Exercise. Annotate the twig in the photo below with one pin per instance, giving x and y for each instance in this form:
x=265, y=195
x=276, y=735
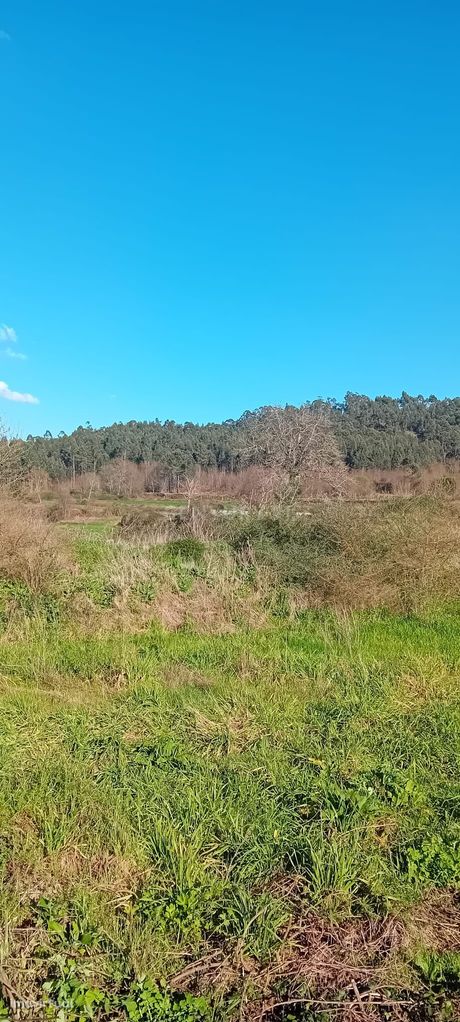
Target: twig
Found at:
x=200, y=966
x=319, y=1003
x=342, y=967
x=358, y=996
x=11, y=993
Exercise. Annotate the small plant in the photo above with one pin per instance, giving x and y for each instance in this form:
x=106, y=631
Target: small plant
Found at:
x=145, y=590
x=439, y=971
x=66, y=931
x=74, y=999
x=100, y=591
x=435, y=861
x=151, y=1002
x=184, y=916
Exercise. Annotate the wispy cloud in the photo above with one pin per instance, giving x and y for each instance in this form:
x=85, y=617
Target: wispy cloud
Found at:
x=14, y=395
x=15, y=354
x=8, y=334
x=5, y=35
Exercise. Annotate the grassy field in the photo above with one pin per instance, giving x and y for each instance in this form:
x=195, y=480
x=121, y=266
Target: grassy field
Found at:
x=224, y=822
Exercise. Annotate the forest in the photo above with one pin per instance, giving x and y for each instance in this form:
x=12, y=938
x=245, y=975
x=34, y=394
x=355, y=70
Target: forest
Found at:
x=380, y=433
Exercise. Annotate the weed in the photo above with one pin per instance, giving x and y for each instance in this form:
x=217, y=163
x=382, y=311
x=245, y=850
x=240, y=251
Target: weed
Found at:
x=439, y=971
x=150, y=1002
x=434, y=861
x=187, y=549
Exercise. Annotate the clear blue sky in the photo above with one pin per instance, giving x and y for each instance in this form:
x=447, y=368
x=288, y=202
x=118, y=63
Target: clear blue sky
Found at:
x=208, y=205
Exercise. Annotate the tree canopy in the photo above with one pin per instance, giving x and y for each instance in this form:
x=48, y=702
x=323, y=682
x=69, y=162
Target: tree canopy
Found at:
x=379, y=432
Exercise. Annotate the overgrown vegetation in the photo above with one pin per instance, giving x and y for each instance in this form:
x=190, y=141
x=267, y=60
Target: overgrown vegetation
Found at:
x=229, y=764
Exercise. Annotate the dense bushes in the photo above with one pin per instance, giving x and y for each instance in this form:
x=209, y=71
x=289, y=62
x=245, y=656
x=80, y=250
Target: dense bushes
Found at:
x=397, y=553
x=288, y=545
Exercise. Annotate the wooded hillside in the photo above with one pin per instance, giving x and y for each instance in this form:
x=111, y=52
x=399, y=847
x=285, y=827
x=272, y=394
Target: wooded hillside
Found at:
x=381, y=433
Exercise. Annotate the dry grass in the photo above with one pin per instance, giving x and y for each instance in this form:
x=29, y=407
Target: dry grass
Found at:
x=397, y=554
x=31, y=551
x=341, y=969
x=400, y=557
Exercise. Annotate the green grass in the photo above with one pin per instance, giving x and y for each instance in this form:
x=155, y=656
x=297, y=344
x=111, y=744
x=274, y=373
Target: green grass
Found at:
x=101, y=528
x=170, y=796
x=257, y=805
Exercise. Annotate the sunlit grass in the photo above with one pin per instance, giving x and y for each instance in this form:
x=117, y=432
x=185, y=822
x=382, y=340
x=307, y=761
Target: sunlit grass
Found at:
x=156, y=787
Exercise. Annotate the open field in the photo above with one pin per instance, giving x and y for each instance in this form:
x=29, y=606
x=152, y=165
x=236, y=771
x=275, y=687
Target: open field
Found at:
x=219, y=797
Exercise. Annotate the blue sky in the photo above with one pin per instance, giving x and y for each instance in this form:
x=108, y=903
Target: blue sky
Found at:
x=208, y=205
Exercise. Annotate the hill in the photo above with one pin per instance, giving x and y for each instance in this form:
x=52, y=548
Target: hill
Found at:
x=381, y=433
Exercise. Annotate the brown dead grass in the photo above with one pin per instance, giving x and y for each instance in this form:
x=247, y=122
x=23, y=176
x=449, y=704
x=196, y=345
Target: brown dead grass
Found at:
x=62, y=872
x=435, y=922
x=181, y=676
x=398, y=555
x=344, y=969
x=30, y=549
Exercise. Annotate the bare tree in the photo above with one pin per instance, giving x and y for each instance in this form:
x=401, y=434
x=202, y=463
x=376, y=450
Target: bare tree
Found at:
x=122, y=478
x=37, y=483
x=89, y=483
x=13, y=471
x=295, y=443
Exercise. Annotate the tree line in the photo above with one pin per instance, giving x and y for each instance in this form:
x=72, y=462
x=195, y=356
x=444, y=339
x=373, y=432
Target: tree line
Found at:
x=380, y=433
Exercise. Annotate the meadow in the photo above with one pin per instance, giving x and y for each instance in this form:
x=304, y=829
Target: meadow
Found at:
x=229, y=770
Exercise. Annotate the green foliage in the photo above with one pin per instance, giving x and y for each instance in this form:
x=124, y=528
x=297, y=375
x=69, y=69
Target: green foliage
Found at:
x=185, y=916
x=149, y=1002
x=289, y=545
x=145, y=590
x=100, y=590
x=434, y=861
x=439, y=971
x=18, y=595
x=73, y=999
x=380, y=433
x=186, y=549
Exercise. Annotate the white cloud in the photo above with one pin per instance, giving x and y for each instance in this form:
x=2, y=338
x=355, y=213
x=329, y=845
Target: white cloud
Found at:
x=15, y=354
x=8, y=334
x=14, y=395
x=5, y=35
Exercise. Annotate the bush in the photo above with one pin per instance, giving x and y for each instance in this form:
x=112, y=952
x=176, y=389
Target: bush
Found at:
x=141, y=523
x=289, y=545
x=188, y=549
x=30, y=548
x=397, y=554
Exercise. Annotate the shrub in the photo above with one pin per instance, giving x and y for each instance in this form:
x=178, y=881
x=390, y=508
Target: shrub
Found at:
x=141, y=523
x=398, y=553
x=30, y=548
x=289, y=545
x=188, y=548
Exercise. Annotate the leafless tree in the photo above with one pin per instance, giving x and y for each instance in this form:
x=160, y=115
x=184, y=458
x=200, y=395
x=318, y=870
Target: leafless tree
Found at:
x=88, y=483
x=122, y=478
x=37, y=483
x=295, y=443
x=13, y=472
